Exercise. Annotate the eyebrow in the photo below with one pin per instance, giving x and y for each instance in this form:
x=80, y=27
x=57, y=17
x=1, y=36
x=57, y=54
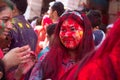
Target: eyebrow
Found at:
x=5, y=18
x=2, y=8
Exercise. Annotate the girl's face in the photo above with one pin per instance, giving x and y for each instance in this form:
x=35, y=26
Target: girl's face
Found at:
x=71, y=33
x=5, y=22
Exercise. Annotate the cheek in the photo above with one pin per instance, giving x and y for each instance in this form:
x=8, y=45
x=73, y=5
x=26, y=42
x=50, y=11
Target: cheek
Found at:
x=50, y=14
x=2, y=27
x=9, y=25
x=70, y=40
x=61, y=36
x=78, y=35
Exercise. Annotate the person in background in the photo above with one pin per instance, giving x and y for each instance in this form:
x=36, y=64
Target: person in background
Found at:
x=41, y=31
x=50, y=36
x=96, y=20
x=38, y=27
x=5, y=17
x=21, y=34
x=56, y=9
x=108, y=28
x=18, y=55
x=33, y=21
x=73, y=40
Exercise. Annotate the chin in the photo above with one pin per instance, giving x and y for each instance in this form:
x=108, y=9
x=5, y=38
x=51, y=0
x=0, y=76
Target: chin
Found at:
x=2, y=37
x=71, y=48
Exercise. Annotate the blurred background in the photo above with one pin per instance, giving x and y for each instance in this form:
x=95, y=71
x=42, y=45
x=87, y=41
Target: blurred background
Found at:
x=110, y=8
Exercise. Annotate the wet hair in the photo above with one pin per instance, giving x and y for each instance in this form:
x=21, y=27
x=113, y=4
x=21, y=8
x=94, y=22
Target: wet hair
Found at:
x=59, y=7
x=21, y=5
x=95, y=17
x=2, y=69
x=51, y=29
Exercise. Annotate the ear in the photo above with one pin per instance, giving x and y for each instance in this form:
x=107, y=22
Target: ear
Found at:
x=15, y=11
x=1, y=75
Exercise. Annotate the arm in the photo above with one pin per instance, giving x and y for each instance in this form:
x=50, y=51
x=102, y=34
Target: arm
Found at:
x=16, y=56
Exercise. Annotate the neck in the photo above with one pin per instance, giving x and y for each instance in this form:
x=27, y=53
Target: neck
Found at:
x=73, y=55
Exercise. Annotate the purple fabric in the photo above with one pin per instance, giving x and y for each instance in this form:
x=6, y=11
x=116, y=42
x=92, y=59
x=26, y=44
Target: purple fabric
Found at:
x=22, y=35
x=36, y=73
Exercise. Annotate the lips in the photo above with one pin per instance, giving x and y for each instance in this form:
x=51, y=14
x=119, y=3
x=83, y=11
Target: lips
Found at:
x=68, y=39
x=5, y=33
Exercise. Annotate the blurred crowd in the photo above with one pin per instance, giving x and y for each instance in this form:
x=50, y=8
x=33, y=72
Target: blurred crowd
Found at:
x=62, y=44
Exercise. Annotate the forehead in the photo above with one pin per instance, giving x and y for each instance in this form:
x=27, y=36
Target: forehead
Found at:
x=69, y=21
x=1, y=1
x=5, y=12
x=3, y=5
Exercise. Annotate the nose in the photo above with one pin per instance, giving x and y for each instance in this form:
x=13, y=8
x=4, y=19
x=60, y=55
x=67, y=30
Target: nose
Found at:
x=9, y=25
x=4, y=28
x=68, y=33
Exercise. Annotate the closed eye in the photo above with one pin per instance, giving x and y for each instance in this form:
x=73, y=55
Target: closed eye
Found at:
x=5, y=19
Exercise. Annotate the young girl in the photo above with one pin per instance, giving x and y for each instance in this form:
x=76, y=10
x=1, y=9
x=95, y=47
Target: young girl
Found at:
x=73, y=41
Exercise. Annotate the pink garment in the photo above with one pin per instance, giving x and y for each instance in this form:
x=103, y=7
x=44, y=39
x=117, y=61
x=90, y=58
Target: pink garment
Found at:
x=1, y=54
x=46, y=21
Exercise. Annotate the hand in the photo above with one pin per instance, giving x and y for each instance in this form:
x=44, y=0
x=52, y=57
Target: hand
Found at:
x=23, y=68
x=16, y=56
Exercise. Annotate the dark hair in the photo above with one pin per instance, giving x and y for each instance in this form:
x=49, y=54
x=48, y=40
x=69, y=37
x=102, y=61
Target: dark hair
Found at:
x=59, y=7
x=95, y=17
x=6, y=3
x=2, y=69
x=39, y=20
x=51, y=29
x=21, y=5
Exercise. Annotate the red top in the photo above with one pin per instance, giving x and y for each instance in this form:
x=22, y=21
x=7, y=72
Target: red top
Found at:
x=1, y=54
